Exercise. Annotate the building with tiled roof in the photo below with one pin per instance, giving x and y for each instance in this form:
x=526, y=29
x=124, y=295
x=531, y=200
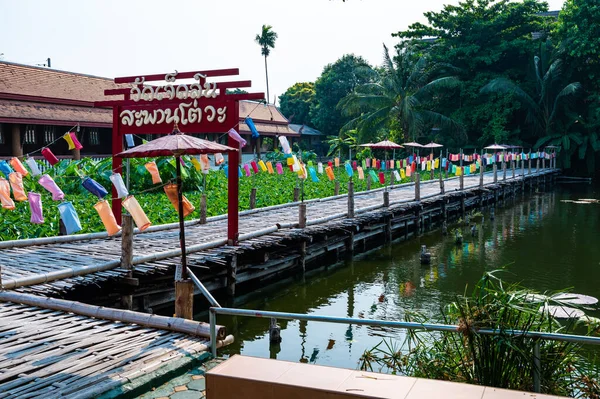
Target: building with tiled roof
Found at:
x=38, y=105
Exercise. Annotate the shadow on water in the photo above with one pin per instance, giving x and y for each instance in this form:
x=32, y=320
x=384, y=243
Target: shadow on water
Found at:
x=542, y=241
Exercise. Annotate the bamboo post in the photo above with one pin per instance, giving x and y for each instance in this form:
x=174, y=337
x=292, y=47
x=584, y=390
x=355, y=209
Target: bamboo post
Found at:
x=253, y=198
x=368, y=181
x=418, y=220
x=127, y=256
x=417, y=187
x=529, y=162
x=337, y=188
x=296, y=194
x=302, y=215
x=386, y=198
x=461, y=181
x=503, y=165
x=523, y=175
x=544, y=161
x=350, y=199
x=442, y=189
x=481, y=173
x=184, y=299
x=512, y=165
x=495, y=168
x=231, y=276
x=203, y=209
x=446, y=169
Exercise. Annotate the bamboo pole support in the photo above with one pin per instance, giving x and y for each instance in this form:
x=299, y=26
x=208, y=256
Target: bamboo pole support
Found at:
x=368, y=182
x=127, y=257
x=495, y=169
x=461, y=181
x=253, y=198
x=203, y=209
x=503, y=167
x=350, y=199
x=231, y=275
x=302, y=215
x=337, y=188
x=481, y=173
x=417, y=187
x=296, y=194
x=442, y=188
x=184, y=299
x=386, y=198
x=529, y=163
x=512, y=165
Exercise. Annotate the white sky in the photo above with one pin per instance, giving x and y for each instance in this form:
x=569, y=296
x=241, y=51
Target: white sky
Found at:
x=126, y=37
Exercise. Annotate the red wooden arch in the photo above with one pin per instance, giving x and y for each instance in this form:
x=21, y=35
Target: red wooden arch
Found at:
x=196, y=104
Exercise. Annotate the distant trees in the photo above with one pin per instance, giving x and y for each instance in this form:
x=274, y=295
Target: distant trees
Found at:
x=297, y=101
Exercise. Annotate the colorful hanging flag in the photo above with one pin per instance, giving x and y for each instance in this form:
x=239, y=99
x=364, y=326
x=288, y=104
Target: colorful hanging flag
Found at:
x=279, y=168
x=397, y=176
x=337, y=162
x=35, y=170
x=349, y=170
x=270, y=167
x=117, y=181
x=76, y=142
x=236, y=136
x=373, y=175
x=16, y=183
x=137, y=213
x=361, y=173
x=196, y=163
x=171, y=191
x=107, y=217
x=5, y=200
x=69, y=140
x=262, y=165
x=153, y=170
x=204, y=163
x=69, y=217
x=254, y=166
x=129, y=141
x=94, y=187
x=320, y=167
x=381, y=178
x=252, y=128
x=285, y=145
x=219, y=159
x=313, y=174
x=247, y=169
x=18, y=166
x=329, y=172
x=35, y=208
x=5, y=168
x=48, y=183
x=402, y=174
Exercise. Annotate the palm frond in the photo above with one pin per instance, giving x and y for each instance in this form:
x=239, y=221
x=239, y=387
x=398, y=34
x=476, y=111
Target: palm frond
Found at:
x=437, y=85
x=566, y=94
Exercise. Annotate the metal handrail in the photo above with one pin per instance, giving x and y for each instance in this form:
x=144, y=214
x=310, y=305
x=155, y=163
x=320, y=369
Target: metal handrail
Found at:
x=536, y=335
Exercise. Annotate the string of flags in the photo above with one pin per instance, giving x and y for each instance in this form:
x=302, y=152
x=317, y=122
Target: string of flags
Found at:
x=14, y=171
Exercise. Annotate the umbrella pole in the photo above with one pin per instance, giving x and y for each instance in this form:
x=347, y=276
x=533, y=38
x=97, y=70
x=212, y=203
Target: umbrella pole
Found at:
x=181, y=224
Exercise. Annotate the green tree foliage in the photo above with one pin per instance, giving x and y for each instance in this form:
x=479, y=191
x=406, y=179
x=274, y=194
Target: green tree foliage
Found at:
x=296, y=102
x=266, y=41
x=486, y=39
x=400, y=97
x=336, y=82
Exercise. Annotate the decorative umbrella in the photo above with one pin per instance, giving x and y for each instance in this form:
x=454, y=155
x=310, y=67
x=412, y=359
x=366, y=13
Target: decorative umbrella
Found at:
x=412, y=144
x=494, y=147
x=384, y=145
x=176, y=144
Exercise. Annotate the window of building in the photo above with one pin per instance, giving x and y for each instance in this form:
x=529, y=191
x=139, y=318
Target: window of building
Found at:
x=2, y=130
x=93, y=136
x=49, y=134
x=29, y=134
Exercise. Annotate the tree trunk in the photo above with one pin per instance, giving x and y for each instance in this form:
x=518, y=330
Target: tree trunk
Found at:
x=267, y=75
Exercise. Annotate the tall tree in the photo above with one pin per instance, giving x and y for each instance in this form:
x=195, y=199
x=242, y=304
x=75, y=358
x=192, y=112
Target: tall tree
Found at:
x=336, y=82
x=296, y=102
x=401, y=97
x=548, y=110
x=266, y=41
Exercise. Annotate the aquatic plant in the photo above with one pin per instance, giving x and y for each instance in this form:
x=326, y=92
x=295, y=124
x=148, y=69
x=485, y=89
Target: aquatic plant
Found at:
x=503, y=360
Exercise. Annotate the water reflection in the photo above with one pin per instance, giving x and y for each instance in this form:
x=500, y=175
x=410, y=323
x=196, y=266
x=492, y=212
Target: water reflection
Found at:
x=543, y=242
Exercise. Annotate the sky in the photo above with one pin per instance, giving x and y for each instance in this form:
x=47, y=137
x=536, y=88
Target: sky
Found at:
x=113, y=38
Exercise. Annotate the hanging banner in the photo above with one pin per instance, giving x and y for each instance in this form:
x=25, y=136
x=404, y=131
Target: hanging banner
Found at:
x=94, y=187
x=35, y=170
x=69, y=217
x=137, y=213
x=329, y=172
x=153, y=170
x=35, y=208
x=5, y=200
x=361, y=173
x=5, y=168
x=16, y=183
x=270, y=167
x=18, y=166
x=107, y=217
x=236, y=136
x=49, y=156
x=171, y=191
x=119, y=184
x=48, y=183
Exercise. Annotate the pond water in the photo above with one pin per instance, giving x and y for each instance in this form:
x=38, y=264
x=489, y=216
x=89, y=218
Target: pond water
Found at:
x=542, y=241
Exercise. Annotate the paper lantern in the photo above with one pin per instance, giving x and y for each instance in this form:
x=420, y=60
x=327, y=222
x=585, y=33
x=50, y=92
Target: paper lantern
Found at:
x=398, y=164
x=270, y=167
x=296, y=164
x=349, y=170
x=411, y=159
x=408, y=172
x=94, y=187
x=49, y=156
x=117, y=181
x=252, y=127
x=368, y=162
x=428, y=165
x=171, y=191
x=235, y=135
x=204, y=163
x=153, y=170
x=254, y=166
x=302, y=171
x=35, y=170
x=402, y=174
x=313, y=174
x=48, y=183
x=437, y=163
x=16, y=183
x=381, y=178
x=247, y=169
x=18, y=166
x=329, y=172
x=423, y=165
x=285, y=145
x=361, y=173
x=107, y=217
x=5, y=168
x=69, y=217
x=364, y=164
x=279, y=168
x=35, y=208
x=320, y=167
x=337, y=162
x=330, y=164
x=137, y=213
x=262, y=165
x=413, y=167
x=397, y=176
x=454, y=169
x=382, y=165
x=378, y=164
x=354, y=165
x=5, y=200
x=219, y=159
x=290, y=161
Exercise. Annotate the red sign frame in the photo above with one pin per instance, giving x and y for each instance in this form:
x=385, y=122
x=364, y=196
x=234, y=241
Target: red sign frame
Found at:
x=198, y=108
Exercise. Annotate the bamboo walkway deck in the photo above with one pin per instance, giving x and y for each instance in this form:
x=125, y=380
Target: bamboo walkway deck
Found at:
x=57, y=354
x=35, y=262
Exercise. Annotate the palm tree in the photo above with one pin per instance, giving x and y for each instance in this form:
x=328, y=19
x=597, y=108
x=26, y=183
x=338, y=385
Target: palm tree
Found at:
x=548, y=110
x=266, y=41
x=400, y=97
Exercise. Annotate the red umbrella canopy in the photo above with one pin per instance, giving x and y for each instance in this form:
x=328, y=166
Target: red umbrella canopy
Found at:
x=385, y=145
x=175, y=144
